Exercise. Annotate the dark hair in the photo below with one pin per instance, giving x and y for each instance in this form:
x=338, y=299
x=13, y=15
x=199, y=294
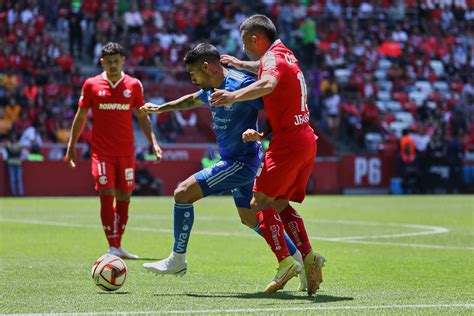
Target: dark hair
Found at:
x=405, y=132
x=201, y=53
x=259, y=23
x=112, y=49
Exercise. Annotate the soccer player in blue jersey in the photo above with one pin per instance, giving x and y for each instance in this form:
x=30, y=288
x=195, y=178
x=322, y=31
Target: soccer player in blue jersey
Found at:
x=240, y=160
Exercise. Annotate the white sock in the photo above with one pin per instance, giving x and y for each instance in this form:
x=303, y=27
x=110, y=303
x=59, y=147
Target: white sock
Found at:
x=180, y=257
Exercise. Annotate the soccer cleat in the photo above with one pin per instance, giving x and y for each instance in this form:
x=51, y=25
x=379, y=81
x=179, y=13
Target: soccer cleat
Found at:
x=175, y=264
x=302, y=275
x=121, y=252
x=313, y=266
x=287, y=269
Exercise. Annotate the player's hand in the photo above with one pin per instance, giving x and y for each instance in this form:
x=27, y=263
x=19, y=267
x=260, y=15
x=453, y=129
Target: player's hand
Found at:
x=231, y=61
x=70, y=157
x=251, y=135
x=222, y=98
x=158, y=153
x=150, y=108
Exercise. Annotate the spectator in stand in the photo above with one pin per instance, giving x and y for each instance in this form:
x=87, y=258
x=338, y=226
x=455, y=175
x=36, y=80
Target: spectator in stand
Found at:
x=408, y=166
x=15, y=155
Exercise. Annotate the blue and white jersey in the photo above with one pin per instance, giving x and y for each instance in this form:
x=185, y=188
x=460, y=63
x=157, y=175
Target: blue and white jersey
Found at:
x=229, y=122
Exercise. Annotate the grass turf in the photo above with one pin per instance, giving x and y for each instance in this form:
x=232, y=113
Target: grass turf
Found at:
x=385, y=255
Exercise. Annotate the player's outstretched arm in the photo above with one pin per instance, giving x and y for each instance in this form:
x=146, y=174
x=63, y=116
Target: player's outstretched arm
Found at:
x=249, y=66
x=145, y=124
x=186, y=102
x=76, y=130
x=258, y=89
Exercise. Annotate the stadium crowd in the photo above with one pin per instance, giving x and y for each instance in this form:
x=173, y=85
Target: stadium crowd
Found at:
x=373, y=68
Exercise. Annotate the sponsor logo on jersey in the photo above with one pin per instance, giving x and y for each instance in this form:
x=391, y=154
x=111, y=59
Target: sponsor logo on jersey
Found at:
x=114, y=106
x=129, y=174
x=101, y=93
x=127, y=93
x=102, y=180
x=290, y=58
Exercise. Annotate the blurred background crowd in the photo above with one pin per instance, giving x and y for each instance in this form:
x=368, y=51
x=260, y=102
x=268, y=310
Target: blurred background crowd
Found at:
x=375, y=70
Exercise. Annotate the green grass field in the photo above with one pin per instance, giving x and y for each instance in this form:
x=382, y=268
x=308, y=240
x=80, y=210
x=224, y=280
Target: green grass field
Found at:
x=385, y=255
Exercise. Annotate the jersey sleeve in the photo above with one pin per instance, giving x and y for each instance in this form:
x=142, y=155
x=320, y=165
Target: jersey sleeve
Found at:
x=85, y=100
x=270, y=66
x=203, y=96
x=139, y=95
x=256, y=103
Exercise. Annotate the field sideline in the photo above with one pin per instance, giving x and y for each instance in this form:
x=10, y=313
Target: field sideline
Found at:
x=386, y=255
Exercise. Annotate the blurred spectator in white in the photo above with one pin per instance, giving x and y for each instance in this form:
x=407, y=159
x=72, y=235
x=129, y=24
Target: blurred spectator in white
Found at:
x=133, y=20
x=331, y=105
x=399, y=34
x=31, y=136
x=333, y=8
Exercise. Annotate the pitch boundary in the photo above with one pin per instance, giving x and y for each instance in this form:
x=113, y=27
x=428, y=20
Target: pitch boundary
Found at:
x=352, y=240
x=271, y=309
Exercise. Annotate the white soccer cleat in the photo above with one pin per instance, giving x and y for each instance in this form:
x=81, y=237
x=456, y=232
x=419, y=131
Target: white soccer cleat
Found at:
x=302, y=275
x=122, y=253
x=175, y=264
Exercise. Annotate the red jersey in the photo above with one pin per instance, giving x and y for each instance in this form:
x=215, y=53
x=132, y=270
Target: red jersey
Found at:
x=112, y=106
x=286, y=106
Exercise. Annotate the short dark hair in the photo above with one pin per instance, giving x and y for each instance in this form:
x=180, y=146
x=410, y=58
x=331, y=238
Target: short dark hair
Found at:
x=259, y=23
x=201, y=53
x=112, y=49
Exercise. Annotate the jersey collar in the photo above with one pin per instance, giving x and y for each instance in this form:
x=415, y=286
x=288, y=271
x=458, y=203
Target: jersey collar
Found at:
x=276, y=42
x=104, y=75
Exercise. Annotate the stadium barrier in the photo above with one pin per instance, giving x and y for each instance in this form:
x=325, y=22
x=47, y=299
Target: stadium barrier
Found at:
x=331, y=175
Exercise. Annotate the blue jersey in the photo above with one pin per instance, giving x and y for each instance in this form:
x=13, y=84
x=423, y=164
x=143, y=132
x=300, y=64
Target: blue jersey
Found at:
x=229, y=122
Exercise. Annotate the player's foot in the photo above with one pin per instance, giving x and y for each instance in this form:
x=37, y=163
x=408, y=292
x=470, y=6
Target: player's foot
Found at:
x=313, y=266
x=287, y=269
x=175, y=264
x=121, y=252
x=302, y=275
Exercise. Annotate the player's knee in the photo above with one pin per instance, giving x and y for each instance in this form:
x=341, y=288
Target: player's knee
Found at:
x=181, y=194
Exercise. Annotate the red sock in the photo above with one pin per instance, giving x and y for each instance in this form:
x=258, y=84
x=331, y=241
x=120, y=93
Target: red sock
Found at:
x=294, y=227
x=272, y=230
x=108, y=217
x=121, y=208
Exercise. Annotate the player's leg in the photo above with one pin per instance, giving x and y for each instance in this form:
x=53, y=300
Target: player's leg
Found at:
x=125, y=183
x=272, y=230
x=242, y=197
x=103, y=172
x=248, y=218
x=294, y=225
x=187, y=192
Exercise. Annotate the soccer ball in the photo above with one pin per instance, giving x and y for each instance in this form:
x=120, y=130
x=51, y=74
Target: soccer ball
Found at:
x=109, y=272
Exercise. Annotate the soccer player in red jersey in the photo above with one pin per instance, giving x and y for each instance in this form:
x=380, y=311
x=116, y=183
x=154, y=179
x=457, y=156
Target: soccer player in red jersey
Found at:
x=290, y=157
x=112, y=96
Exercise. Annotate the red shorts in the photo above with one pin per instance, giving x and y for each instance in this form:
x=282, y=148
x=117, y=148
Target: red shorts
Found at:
x=112, y=172
x=286, y=169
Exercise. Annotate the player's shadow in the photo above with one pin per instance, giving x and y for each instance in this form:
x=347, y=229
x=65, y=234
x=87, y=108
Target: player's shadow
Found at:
x=286, y=295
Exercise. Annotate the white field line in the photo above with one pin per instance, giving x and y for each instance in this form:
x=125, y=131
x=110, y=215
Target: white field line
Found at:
x=269, y=310
x=249, y=234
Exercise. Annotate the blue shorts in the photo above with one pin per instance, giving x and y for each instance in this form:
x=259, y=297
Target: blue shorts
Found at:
x=230, y=175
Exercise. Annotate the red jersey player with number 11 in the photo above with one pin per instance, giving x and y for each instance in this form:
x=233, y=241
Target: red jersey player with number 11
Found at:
x=112, y=96
x=290, y=157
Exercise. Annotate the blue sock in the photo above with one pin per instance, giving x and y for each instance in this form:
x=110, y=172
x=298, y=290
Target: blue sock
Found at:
x=183, y=222
x=289, y=243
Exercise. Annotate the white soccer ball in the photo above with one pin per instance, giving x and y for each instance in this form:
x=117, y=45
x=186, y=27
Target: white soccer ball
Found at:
x=109, y=272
